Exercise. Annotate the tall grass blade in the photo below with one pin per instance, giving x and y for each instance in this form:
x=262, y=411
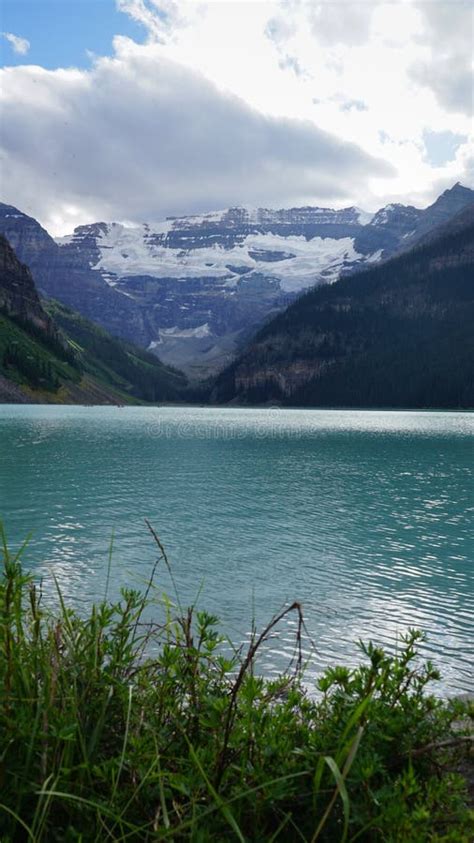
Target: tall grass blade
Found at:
x=220, y=803
x=125, y=741
x=19, y=820
x=109, y=564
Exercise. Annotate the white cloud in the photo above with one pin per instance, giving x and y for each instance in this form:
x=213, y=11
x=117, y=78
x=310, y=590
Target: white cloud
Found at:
x=447, y=67
x=345, y=22
x=271, y=102
x=301, y=58
x=19, y=45
x=159, y=17
x=408, y=64
x=139, y=137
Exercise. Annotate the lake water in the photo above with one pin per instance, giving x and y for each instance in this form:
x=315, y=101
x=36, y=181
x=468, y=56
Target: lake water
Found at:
x=364, y=517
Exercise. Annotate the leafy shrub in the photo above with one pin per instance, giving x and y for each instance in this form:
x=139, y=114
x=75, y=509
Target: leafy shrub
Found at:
x=118, y=729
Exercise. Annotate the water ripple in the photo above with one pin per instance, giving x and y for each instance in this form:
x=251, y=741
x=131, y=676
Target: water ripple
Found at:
x=365, y=517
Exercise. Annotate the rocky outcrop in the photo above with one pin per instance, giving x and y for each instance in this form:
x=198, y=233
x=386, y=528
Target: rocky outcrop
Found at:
x=18, y=295
x=10, y=393
x=287, y=378
x=31, y=242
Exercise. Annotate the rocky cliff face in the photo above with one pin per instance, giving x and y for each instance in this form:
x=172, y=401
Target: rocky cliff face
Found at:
x=18, y=296
x=68, y=277
x=194, y=289
x=31, y=243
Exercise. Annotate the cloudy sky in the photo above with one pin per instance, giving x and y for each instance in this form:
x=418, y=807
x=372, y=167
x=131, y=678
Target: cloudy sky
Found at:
x=135, y=109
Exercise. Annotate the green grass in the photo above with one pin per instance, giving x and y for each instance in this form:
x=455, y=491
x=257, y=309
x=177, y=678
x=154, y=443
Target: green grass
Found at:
x=117, y=729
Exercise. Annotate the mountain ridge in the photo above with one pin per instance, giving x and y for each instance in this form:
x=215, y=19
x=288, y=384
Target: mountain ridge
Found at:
x=193, y=289
x=399, y=334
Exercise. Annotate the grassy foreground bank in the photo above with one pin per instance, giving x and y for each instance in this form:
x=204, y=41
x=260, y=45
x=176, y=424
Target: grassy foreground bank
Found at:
x=115, y=729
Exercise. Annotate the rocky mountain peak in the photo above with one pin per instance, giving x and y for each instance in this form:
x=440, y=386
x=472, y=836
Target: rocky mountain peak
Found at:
x=445, y=207
x=454, y=197
x=27, y=237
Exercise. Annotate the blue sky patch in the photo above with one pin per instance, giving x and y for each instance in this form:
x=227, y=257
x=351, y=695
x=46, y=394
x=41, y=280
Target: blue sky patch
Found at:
x=441, y=146
x=61, y=32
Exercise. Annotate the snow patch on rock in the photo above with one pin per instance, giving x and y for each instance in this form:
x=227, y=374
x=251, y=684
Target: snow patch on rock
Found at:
x=126, y=252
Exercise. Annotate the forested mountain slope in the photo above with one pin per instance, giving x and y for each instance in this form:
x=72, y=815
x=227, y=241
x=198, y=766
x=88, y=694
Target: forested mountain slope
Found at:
x=51, y=354
x=398, y=335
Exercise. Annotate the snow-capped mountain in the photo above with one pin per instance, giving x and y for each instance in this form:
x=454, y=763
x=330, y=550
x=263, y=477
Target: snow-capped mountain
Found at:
x=203, y=282
x=193, y=288
x=182, y=251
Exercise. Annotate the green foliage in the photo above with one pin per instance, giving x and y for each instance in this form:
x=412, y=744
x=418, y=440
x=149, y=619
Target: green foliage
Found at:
x=31, y=358
x=115, y=362
x=117, y=371
x=37, y=370
x=117, y=729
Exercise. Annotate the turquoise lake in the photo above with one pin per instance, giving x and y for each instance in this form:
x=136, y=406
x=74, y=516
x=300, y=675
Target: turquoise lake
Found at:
x=363, y=516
